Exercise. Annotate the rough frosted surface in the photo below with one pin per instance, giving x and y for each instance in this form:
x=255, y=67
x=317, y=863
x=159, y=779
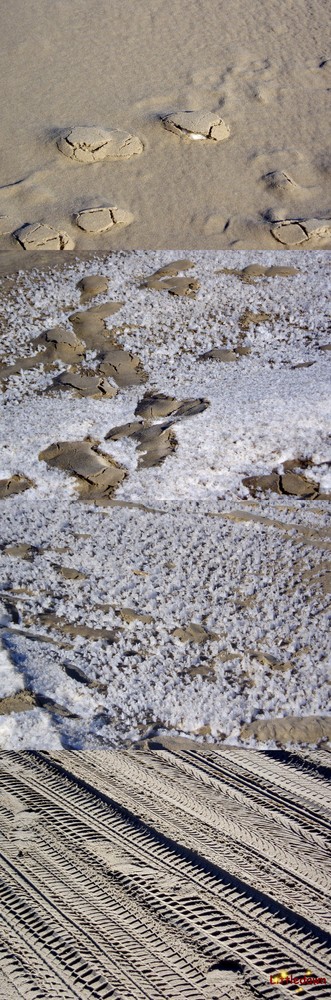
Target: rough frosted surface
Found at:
x=190, y=605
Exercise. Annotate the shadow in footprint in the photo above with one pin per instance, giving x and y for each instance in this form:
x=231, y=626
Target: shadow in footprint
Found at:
x=227, y=980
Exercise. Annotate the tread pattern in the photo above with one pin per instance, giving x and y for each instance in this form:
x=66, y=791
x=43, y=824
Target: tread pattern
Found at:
x=167, y=871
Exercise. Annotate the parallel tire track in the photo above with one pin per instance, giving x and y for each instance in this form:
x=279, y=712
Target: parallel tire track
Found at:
x=131, y=875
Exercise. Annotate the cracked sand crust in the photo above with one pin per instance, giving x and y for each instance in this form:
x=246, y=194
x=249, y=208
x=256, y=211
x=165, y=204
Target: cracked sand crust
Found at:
x=98, y=475
x=99, y=220
x=39, y=236
x=15, y=484
x=196, y=125
x=91, y=144
x=292, y=232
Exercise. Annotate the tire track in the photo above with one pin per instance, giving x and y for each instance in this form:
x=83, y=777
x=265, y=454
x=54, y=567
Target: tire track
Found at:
x=125, y=875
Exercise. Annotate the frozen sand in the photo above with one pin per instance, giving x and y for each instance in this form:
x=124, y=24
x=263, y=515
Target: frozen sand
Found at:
x=163, y=873
x=190, y=605
x=263, y=67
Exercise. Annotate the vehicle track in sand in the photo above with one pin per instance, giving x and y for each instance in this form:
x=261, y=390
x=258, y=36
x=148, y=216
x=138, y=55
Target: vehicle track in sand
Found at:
x=168, y=870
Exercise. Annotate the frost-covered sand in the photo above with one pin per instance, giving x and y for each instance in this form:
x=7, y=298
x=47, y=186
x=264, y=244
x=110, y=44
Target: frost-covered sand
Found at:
x=264, y=68
x=188, y=599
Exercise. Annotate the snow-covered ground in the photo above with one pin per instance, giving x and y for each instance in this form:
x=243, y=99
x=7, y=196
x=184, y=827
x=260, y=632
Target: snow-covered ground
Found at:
x=249, y=571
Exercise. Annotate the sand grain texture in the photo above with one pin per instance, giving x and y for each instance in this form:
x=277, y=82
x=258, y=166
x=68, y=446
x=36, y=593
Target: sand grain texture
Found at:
x=164, y=872
x=100, y=89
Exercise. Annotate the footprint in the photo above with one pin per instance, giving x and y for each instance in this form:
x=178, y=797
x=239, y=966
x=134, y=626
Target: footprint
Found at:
x=268, y=660
x=155, y=404
x=124, y=430
x=85, y=385
x=219, y=354
x=39, y=236
x=175, y=267
x=92, y=144
x=194, y=633
x=169, y=279
x=23, y=701
x=60, y=624
x=252, y=271
x=290, y=729
x=97, y=474
x=129, y=615
x=100, y=220
x=292, y=232
x=14, y=484
x=23, y=550
x=125, y=368
x=91, y=286
x=227, y=980
x=280, y=183
x=60, y=344
x=291, y=483
x=155, y=444
x=196, y=125
x=90, y=325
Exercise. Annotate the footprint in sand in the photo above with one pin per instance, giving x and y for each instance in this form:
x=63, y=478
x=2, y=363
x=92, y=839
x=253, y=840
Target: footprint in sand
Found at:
x=280, y=183
x=39, y=236
x=292, y=232
x=291, y=482
x=125, y=368
x=155, y=404
x=227, y=980
x=85, y=385
x=290, y=729
x=100, y=220
x=205, y=125
x=60, y=624
x=14, y=484
x=91, y=327
x=156, y=442
x=58, y=344
x=90, y=144
x=170, y=279
x=222, y=354
x=285, y=171
x=252, y=271
x=193, y=632
x=91, y=286
x=97, y=474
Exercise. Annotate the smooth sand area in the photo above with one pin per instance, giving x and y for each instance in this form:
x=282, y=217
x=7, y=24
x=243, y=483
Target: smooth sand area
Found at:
x=165, y=872
x=164, y=492
x=260, y=67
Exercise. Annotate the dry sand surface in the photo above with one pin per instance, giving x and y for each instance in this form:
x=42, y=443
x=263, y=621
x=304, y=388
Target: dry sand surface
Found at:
x=164, y=491
x=165, y=872
x=187, y=125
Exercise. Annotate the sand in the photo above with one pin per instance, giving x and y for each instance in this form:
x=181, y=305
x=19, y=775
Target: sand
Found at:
x=109, y=79
x=162, y=872
x=165, y=491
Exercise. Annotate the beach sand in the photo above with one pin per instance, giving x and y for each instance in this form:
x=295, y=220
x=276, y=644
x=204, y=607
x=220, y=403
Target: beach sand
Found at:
x=263, y=68
x=165, y=725
x=165, y=487
x=164, y=873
